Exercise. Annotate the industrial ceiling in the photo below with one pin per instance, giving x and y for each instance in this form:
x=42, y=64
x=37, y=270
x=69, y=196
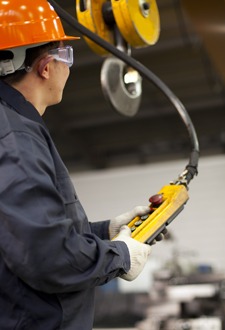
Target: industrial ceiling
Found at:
x=90, y=134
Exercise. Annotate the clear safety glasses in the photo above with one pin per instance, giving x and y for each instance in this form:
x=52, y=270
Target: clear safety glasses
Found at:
x=63, y=54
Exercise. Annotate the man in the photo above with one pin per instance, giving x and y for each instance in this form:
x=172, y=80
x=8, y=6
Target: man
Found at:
x=51, y=257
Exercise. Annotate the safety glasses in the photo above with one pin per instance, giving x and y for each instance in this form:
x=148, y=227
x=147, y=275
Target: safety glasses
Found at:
x=63, y=54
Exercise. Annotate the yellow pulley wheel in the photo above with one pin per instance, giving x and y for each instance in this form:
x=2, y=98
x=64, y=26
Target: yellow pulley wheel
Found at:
x=89, y=14
x=137, y=20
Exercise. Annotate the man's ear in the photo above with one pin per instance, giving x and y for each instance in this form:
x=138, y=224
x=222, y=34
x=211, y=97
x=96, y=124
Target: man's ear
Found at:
x=43, y=67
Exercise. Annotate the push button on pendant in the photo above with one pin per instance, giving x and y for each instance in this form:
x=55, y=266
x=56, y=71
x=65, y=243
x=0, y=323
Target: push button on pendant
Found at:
x=156, y=199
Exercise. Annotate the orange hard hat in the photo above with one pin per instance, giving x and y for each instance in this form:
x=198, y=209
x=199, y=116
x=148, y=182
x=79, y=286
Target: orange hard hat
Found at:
x=29, y=22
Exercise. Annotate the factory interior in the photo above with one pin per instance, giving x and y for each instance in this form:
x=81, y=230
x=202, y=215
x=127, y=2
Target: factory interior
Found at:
x=117, y=161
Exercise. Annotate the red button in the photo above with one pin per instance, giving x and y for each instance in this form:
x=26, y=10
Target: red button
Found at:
x=156, y=199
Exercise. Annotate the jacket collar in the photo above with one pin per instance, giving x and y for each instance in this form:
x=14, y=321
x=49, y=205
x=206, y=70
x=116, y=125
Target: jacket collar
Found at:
x=18, y=102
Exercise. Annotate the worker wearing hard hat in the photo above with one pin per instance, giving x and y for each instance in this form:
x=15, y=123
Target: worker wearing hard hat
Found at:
x=51, y=256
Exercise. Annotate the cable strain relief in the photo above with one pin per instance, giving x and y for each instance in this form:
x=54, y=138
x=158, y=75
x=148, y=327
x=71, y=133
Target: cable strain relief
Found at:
x=192, y=167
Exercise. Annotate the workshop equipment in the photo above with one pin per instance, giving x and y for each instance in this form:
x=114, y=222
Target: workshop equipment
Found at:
x=104, y=25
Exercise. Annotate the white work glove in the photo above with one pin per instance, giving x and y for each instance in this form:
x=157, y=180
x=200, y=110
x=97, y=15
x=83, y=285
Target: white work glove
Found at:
x=125, y=218
x=139, y=253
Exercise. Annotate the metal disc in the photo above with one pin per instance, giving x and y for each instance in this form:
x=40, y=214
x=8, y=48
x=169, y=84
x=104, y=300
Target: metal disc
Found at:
x=122, y=86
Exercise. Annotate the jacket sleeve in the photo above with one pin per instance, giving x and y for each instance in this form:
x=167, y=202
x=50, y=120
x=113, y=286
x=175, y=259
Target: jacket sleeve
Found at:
x=100, y=228
x=38, y=241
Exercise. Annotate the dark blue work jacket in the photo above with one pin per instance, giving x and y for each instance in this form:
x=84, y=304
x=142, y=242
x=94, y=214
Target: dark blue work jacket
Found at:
x=51, y=257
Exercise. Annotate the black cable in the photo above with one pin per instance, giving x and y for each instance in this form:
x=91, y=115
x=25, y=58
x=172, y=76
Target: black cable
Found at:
x=192, y=167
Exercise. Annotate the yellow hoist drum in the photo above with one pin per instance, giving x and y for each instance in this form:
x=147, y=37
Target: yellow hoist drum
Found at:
x=89, y=14
x=138, y=21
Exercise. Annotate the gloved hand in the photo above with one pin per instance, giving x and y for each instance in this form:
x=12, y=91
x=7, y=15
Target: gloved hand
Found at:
x=139, y=253
x=125, y=218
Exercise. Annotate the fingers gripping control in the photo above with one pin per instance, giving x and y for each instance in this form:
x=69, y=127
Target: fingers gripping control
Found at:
x=125, y=218
x=139, y=253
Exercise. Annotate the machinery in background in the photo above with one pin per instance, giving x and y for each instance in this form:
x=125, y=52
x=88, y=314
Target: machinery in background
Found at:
x=186, y=298
x=183, y=295
x=203, y=323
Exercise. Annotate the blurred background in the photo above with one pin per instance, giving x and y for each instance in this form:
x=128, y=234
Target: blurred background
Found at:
x=117, y=162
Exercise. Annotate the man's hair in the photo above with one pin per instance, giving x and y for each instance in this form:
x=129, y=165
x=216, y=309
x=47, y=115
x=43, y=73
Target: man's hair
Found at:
x=31, y=55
